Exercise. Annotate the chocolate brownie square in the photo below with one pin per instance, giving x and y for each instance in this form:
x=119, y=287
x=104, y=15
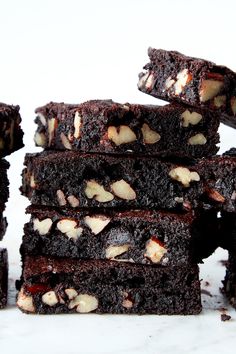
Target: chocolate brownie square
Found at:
x=3, y=277
x=51, y=286
x=11, y=134
x=95, y=180
x=175, y=77
x=145, y=237
x=105, y=126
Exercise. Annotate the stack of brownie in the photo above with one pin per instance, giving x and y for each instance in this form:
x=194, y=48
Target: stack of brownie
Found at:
x=10, y=140
x=124, y=198
x=199, y=83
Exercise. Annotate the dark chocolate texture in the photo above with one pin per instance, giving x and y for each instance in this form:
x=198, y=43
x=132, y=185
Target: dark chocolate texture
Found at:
x=145, y=237
x=4, y=191
x=52, y=286
x=175, y=77
x=105, y=126
x=3, y=277
x=93, y=180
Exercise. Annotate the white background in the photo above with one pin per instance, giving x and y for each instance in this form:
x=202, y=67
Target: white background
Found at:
x=73, y=51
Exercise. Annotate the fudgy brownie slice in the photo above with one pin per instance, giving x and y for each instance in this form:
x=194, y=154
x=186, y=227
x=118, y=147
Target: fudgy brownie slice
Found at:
x=51, y=285
x=105, y=126
x=96, y=180
x=4, y=191
x=3, y=277
x=3, y=226
x=11, y=134
x=145, y=237
x=173, y=76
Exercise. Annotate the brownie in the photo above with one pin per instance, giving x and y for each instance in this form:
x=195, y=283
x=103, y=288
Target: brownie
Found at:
x=175, y=77
x=105, y=126
x=51, y=286
x=11, y=134
x=3, y=277
x=145, y=237
x=4, y=191
x=3, y=226
x=95, y=180
x=229, y=282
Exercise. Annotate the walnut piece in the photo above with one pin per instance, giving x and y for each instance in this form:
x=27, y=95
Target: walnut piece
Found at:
x=96, y=223
x=146, y=81
x=61, y=198
x=233, y=105
x=114, y=251
x=25, y=302
x=42, y=226
x=127, y=302
x=184, y=175
x=65, y=142
x=32, y=182
x=188, y=117
x=155, y=250
x=215, y=195
x=84, y=303
x=219, y=101
x=183, y=78
x=71, y=293
x=209, y=89
x=52, y=124
x=149, y=135
x=73, y=201
x=96, y=191
x=40, y=139
x=198, y=139
x=123, y=190
x=169, y=83
x=42, y=119
x=77, y=125
x=69, y=227
x=121, y=135
x=50, y=298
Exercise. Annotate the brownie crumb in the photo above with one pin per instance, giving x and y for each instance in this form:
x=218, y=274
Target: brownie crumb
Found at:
x=225, y=317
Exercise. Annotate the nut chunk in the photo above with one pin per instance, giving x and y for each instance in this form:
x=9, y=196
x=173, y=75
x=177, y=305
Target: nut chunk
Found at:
x=96, y=191
x=183, y=175
x=192, y=81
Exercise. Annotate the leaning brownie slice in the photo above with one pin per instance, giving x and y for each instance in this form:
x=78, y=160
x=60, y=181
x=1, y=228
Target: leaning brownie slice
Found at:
x=105, y=126
x=51, y=285
x=173, y=76
x=145, y=237
x=3, y=277
x=95, y=180
x=4, y=191
x=11, y=134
